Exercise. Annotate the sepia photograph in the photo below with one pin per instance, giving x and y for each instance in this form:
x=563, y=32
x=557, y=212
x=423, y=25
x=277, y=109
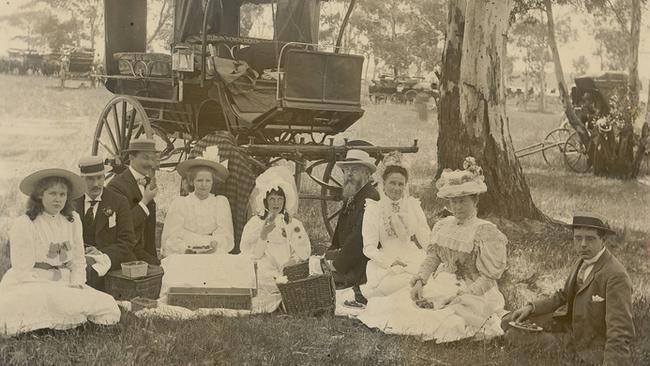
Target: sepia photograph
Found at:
x=325, y=182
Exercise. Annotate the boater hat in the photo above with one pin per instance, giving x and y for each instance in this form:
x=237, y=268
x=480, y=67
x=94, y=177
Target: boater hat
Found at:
x=144, y=145
x=210, y=159
x=93, y=165
x=77, y=184
x=356, y=156
x=591, y=220
x=458, y=183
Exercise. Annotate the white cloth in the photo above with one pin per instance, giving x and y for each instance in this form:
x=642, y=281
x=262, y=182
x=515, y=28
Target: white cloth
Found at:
x=398, y=314
x=393, y=224
x=192, y=221
x=208, y=271
x=287, y=243
x=33, y=298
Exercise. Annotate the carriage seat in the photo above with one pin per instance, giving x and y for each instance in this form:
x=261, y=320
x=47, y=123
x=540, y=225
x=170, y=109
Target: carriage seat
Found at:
x=148, y=64
x=261, y=56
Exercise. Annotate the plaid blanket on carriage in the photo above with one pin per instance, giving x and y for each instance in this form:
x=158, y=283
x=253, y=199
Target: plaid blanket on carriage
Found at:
x=240, y=182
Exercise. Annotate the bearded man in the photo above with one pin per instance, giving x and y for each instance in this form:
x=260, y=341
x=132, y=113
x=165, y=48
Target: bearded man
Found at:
x=346, y=251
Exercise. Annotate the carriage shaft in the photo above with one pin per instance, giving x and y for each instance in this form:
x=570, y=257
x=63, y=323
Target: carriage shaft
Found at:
x=313, y=152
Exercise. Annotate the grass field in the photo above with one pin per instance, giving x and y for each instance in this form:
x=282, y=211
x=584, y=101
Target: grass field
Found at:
x=43, y=127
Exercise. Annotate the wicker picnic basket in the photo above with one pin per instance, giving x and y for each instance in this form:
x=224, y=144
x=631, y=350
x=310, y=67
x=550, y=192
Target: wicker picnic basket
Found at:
x=313, y=295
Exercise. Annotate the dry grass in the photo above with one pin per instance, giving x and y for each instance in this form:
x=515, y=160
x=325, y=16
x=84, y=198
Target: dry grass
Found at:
x=43, y=126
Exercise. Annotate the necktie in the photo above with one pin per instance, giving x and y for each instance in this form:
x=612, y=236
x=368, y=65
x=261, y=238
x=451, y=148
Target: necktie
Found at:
x=88, y=216
x=581, y=273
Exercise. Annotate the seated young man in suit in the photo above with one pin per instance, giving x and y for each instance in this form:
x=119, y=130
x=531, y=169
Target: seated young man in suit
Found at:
x=592, y=314
x=135, y=183
x=107, y=225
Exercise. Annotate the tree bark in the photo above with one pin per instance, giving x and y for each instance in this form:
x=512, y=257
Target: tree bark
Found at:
x=482, y=129
x=449, y=83
x=570, y=113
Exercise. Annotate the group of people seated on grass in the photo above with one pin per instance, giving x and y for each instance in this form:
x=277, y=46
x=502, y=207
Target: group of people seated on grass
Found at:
x=394, y=272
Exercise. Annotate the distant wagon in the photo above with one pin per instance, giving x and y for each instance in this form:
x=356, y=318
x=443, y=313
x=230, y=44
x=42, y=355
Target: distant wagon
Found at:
x=260, y=100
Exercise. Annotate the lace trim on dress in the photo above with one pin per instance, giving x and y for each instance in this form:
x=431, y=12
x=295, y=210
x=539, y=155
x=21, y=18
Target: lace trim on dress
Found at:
x=448, y=233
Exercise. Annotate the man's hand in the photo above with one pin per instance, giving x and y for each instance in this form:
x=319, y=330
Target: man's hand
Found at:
x=522, y=313
x=149, y=194
x=416, y=291
x=90, y=261
x=90, y=250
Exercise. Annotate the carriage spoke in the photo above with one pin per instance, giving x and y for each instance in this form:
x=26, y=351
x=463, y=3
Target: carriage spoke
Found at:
x=335, y=214
x=110, y=133
x=130, y=128
x=124, y=124
x=336, y=182
x=117, y=127
x=107, y=148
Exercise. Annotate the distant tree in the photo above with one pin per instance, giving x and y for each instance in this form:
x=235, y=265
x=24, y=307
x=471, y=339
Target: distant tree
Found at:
x=249, y=13
x=426, y=30
x=529, y=33
x=42, y=28
x=581, y=65
x=87, y=12
x=164, y=22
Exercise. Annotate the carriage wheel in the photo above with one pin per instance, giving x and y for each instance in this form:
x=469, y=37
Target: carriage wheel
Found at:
x=557, y=138
x=122, y=120
x=575, y=154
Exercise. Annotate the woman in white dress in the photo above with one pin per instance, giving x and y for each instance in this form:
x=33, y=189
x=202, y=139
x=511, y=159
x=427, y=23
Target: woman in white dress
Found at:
x=200, y=222
x=274, y=237
x=389, y=227
x=45, y=286
x=455, y=293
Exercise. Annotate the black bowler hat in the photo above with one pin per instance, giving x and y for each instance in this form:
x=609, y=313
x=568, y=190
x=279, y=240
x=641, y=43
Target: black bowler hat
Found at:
x=591, y=220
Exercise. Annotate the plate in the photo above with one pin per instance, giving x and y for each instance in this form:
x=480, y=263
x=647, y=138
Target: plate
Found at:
x=527, y=326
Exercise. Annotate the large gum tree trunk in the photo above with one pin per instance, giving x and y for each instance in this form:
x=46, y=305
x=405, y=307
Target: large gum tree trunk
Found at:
x=482, y=129
x=449, y=111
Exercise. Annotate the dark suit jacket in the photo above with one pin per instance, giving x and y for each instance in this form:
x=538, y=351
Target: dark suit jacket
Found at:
x=347, y=243
x=599, y=312
x=118, y=241
x=144, y=225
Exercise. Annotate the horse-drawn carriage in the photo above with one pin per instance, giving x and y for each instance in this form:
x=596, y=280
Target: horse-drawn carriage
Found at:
x=592, y=98
x=22, y=61
x=402, y=89
x=259, y=100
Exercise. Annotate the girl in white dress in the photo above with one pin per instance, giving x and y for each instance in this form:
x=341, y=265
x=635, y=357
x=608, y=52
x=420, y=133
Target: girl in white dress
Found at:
x=454, y=295
x=274, y=237
x=45, y=286
x=389, y=227
x=199, y=222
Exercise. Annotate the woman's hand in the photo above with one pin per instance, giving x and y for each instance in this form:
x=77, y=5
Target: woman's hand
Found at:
x=522, y=313
x=213, y=247
x=76, y=286
x=269, y=225
x=416, y=291
x=398, y=262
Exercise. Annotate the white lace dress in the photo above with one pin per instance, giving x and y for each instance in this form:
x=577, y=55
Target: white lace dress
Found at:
x=468, y=256
x=389, y=228
x=288, y=242
x=47, y=257
x=191, y=221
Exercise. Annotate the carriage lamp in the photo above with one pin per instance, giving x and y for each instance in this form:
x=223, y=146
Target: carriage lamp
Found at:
x=183, y=58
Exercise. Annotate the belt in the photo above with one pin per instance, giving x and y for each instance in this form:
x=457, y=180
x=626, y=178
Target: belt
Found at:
x=56, y=269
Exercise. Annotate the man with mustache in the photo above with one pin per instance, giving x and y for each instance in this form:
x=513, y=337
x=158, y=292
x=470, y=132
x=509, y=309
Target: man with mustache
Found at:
x=135, y=183
x=107, y=225
x=346, y=251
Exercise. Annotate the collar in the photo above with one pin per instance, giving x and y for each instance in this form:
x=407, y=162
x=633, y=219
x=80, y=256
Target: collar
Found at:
x=595, y=258
x=88, y=199
x=136, y=174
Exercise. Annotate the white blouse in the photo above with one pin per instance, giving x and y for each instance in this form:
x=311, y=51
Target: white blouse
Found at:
x=286, y=241
x=393, y=224
x=192, y=221
x=48, y=239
